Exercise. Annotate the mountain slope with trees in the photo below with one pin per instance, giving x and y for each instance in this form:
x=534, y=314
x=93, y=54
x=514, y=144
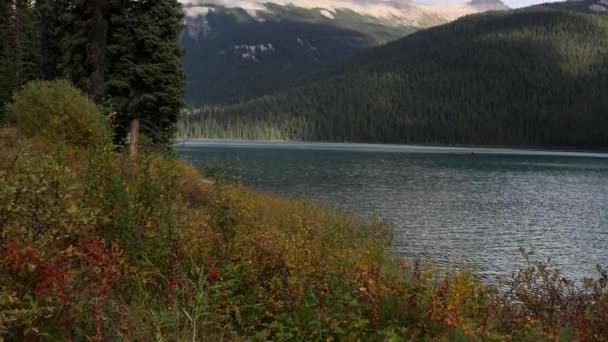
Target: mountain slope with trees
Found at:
x=533, y=77
x=237, y=50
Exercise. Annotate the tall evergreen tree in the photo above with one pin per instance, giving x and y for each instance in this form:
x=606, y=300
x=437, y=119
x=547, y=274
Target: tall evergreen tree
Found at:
x=50, y=14
x=26, y=42
x=7, y=65
x=121, y=48
x=19, y=51
x=146, y=80
x=84, y=45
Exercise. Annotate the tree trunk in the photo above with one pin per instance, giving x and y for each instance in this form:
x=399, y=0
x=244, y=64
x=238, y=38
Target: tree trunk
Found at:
x=134, y=139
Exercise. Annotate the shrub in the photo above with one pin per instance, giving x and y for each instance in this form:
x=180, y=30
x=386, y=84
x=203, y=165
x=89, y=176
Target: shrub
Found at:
x=92, y=248
x=59, y=112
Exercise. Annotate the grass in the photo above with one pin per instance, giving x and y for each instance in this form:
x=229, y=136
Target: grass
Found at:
x=94, y=247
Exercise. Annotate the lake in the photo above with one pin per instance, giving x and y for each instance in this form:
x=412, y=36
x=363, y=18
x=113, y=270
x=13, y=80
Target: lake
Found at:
x=455, y=207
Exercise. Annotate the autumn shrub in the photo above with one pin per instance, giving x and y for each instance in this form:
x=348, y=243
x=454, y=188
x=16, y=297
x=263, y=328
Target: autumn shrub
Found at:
x=59, y=112
x=73, y=233
x=46, y=233
x=540, y=298
x=95, y=247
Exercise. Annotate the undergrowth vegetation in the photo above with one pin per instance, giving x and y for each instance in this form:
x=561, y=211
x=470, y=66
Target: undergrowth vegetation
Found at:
x=96, y=247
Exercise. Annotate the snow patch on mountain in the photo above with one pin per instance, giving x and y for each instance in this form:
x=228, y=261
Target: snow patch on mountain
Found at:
x=195, y=20
x=306, y=44
x=327, y=14
x=398, y=12
x=253, y=52
x=197, y=11
x=249, y=6
x=395, y=13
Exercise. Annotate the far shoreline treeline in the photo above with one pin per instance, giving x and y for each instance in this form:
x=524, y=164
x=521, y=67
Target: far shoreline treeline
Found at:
x=382, y=147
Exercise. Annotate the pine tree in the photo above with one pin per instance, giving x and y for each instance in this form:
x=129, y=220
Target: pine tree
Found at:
x=146, y=80
x=19, y=52
x=26, y=42
x=84, y=45
x=121, y=55
x=50, y=14
x=7, y=65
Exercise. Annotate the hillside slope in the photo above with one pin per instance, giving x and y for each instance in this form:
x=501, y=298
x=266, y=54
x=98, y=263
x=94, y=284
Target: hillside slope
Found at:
x=237, y=49
x=533, y=77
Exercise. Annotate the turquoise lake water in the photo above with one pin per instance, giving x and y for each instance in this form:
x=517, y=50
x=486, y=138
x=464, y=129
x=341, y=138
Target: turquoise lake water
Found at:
x=452, y=206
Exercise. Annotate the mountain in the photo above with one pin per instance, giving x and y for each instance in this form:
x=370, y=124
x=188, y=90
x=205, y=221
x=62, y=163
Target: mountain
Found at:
x=532, y=77
x=237, y=49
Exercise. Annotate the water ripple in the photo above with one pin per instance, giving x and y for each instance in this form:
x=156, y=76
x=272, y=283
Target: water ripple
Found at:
x=447, y=207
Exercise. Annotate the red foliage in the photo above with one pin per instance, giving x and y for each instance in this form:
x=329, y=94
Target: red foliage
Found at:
x=51, y=276
x=449, y=320
x=66, y=273
x=105, y=261
x=15, y=255
x=213, y=275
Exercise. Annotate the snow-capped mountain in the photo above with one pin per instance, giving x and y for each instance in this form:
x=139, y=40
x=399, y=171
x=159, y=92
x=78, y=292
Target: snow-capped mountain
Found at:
x=241, y=48
x=393, y=12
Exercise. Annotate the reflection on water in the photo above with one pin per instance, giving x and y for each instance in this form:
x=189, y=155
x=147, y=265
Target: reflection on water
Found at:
x=446, y=205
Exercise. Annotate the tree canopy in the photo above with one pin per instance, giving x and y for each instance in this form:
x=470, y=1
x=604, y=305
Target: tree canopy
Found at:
x=123, y=54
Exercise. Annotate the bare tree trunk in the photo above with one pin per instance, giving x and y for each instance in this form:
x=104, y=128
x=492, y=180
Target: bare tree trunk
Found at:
x=134, y=140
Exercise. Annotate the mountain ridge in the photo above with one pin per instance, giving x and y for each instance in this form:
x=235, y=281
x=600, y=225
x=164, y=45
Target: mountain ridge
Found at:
x=239, y=49
x=397, y=13
x=532, y=77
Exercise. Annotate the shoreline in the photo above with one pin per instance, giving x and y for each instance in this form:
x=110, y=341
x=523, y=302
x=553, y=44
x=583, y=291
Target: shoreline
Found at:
x=394, y=148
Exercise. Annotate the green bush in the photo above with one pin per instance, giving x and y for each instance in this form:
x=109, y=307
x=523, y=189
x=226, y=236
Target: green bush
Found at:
x=58, y=111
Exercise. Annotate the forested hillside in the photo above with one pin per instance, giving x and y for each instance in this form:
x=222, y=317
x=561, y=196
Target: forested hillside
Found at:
x=231, y=55
x=237, y=49
x=534, y=77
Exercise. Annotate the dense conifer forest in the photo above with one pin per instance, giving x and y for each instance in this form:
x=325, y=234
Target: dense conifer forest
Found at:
x=123, y=54
x=533, y=77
